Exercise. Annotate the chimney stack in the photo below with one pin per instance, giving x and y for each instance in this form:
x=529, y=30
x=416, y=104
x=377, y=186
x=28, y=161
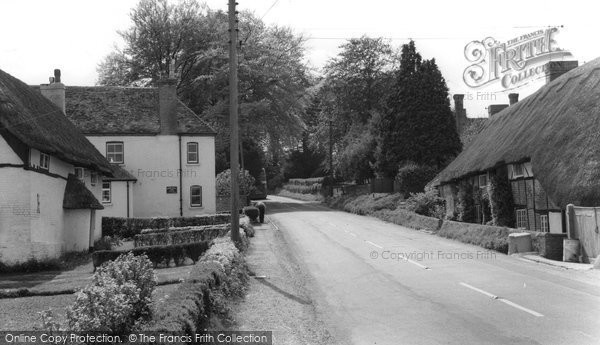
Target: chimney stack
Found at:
x=167, y=100
x=513, y=98
x=55, y=91
x=555, y=69
x=494, y=109
x=460, y=114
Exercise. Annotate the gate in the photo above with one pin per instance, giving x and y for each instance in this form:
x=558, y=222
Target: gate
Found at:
x=586, y=230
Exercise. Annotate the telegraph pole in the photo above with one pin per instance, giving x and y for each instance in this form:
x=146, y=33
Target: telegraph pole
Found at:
x=233, y=120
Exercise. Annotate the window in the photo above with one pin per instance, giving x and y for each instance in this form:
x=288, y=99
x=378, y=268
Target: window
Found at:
x=544, y=223
x=114, y=152
x=80, y=173
x=482, y=181
x=196, y=196
x=518, y=170
x=44, y=161
x=106, y=194
x=192, y=153
x=93, y=178
x=522, y=219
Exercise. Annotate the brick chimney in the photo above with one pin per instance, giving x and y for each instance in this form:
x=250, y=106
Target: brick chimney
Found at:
x=55, y=91
x=513, y=98
x=555, y=69
x=494, y=109
x=167, y=100
x=460, y=113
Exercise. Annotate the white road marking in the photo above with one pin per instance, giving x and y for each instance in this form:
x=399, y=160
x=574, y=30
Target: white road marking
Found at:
x=374, y=245
x=418, y=264
x=503, y=300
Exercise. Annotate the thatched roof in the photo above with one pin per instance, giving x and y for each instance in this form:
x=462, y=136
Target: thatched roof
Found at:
x=77, y=196
x=557, y=128
x=120, y=174
x=125, y=110
x=38, y=123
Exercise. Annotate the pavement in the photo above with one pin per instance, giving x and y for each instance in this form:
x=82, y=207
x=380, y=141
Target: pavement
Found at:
x=365, y=281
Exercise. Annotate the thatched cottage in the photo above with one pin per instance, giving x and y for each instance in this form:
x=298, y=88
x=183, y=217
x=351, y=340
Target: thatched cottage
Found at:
x=47, y=206
x=535, y=157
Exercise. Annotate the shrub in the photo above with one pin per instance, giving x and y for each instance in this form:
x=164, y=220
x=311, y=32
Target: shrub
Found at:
x=275, y=182
x=409, y=219
x=163, y=237
x=412, y=177
x=223, y=182
x=465, y=206
x=427, y=204
x=489, y=237
x=156, y=254
x=252, y=213
x=369, y=203
x=129, y=227
x=501, y=199
x=107, y=243
x=120, y=294
x=137, y=270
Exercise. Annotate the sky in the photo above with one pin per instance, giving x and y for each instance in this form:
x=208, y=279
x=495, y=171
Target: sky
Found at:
x=38, y=36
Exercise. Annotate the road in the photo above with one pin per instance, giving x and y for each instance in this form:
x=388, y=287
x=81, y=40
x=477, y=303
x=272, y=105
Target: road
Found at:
x=374, y=282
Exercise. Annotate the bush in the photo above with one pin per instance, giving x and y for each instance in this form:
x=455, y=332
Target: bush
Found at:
x=156, y=254
x=489, y=237
x=223, y=182
x=409, y=219
x=164, y=237
x=501, y=198
x=368, y=203
x=413, y=178
x=252, y=213
x=218, y=276
x=275, y=182
x=137, y=270
x=129, y=227
x=427, y=204
x=107, y=243
x=119, y=295
x=66, y=261
x=465, y=206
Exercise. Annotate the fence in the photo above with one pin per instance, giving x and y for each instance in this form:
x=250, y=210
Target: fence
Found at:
x=584, y=227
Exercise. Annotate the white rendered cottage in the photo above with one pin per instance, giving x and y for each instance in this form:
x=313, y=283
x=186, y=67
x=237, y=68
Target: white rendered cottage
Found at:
x=47, y=206
x=163, y=153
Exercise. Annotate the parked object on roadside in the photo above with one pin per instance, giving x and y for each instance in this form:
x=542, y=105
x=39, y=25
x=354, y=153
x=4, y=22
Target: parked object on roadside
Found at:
x=252, y=213
x=262, y=208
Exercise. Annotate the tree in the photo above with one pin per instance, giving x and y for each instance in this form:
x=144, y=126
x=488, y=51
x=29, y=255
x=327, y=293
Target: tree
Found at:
x=348, y=98
x=417, y=125
x=191, y=40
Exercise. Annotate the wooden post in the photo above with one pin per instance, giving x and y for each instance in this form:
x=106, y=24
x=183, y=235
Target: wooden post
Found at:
x=571, y=224
x=233, y=120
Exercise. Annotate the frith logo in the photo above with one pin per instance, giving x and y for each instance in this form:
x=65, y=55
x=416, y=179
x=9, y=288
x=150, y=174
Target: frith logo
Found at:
x=511, y=63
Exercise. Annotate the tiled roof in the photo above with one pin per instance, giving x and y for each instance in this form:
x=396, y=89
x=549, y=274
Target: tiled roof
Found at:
x=38, y=123
x=125, y=110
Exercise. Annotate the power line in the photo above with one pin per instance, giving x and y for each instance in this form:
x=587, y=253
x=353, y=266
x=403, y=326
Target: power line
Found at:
x=268, y=10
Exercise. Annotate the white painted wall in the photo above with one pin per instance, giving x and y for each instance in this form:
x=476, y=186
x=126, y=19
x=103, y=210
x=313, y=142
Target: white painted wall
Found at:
x=118, y=205
x=555, y=222
x=33, y=223
x=154, y=161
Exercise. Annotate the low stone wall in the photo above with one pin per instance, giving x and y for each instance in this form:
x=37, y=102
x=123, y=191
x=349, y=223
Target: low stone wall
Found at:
x=547, y=244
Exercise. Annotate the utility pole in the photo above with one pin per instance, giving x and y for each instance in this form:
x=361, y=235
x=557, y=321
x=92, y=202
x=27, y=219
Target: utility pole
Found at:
x=233, y=120
x=331, y=157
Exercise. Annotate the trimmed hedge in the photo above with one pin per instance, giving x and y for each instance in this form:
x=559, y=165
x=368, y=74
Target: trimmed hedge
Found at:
x=129, y=227
x=486, y=236
x=221, y=273
x=252, y=213
x=165, y=237
x=157, y=254
x=409, y=219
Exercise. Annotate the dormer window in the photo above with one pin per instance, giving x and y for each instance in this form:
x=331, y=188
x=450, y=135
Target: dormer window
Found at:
x=44, y=161
x=114, y=152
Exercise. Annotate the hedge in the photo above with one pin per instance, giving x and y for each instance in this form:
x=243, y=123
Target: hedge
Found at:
x=164, y=237
x=129, y=227
x=409, y=219
x=157, y=254
x=486, y=236
x=220, y=272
